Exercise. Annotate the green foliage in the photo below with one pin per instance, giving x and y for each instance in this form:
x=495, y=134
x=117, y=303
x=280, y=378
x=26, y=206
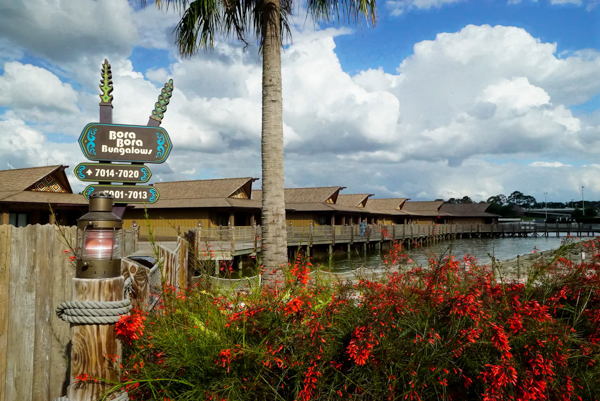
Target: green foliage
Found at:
x=464, y=199
x=437, y=333
x=203, y=20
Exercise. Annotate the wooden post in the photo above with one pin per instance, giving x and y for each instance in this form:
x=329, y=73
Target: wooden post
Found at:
x=231, y=238
x=518, y=267
x=94, y=344
x=183, y=272
x=4, y=218
x=255, y=249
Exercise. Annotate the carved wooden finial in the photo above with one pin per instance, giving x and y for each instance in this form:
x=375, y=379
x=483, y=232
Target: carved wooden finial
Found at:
x=106, y=85
x=160, y=107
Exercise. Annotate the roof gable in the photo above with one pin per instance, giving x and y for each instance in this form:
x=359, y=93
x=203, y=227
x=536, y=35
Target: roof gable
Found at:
x=356, y=200
x=422, y=206
x=205, y=189
x=386, y=204
x=21, y=179
x=306, y=195
x=466, y=209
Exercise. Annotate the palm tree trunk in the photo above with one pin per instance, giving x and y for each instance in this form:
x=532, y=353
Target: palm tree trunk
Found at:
x=274, y=236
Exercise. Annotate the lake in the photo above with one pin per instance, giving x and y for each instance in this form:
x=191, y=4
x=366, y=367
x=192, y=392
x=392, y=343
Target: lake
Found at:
x=480, y=248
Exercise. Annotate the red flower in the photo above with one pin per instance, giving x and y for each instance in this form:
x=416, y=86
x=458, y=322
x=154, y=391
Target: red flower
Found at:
x=131, y=327
x=294, y=306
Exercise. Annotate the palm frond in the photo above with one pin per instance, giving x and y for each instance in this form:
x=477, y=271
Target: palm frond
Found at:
x=343, y=10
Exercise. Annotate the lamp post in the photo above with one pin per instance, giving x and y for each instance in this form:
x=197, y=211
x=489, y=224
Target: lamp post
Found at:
x=546, y=202
x=100, y=240
x=582, y=201
x=98, y=280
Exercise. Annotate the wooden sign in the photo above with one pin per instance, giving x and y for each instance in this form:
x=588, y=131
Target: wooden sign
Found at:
x=98, y=172
x=125, y=143
x=124, y=193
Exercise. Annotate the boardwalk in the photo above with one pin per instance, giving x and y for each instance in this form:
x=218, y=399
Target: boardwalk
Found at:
x=225, y=243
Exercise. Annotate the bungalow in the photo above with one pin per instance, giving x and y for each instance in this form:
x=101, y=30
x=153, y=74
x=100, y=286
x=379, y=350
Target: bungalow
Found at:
x=424, y=212
x=468, y=213
x=28, y=194
x=387, y=211
x=205, y=203
x=351, y=209
x=306, y=206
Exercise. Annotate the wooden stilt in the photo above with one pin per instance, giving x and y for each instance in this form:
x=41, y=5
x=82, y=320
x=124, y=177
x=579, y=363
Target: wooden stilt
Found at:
x=94, y=344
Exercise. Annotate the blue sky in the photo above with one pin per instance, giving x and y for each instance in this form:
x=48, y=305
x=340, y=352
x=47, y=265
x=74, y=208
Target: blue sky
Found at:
x=569, y=25
x=443, y=98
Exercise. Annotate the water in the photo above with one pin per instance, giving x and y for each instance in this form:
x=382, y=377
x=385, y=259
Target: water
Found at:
x=480, y=248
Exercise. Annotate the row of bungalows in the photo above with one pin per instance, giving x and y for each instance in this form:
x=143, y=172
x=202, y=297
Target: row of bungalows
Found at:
x=28, y=195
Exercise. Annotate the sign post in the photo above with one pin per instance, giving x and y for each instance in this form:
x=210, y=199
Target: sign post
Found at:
x=105, y=143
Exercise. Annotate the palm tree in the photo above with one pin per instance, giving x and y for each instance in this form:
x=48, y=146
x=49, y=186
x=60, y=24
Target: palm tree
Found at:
x=201, y=21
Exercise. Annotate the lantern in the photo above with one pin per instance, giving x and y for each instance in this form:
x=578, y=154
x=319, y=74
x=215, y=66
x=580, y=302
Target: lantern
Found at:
x=99, y=240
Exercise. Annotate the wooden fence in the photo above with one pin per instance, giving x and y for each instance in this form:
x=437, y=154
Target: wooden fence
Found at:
x=35, y=276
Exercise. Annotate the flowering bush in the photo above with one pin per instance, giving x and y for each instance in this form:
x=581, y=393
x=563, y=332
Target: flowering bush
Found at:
x=438, y=332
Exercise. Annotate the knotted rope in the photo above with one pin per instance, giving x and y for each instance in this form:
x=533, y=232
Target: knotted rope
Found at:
x=93, y=312
x=123, y=396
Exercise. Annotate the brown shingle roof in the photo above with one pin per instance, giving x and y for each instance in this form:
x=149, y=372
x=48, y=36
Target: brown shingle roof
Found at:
x=202, y=193
x=303, y=195
x=200, y=189
x=46, y=197
x=352, y=199
x=422, y=206
x=198, y=203
x=385, y=204
x=467, y=209
x=18, y=180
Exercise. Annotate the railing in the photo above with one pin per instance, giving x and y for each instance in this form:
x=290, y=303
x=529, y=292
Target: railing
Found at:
x=242, y=240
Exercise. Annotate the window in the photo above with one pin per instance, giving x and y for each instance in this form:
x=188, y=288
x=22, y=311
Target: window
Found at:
x=17, y=219
x=322, y=220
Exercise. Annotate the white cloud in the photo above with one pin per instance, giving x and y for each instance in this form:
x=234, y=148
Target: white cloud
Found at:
x=576, y=2
x=24, y=86
x=68, y=30
x=25, y=147
x=398, y=7
x=549, y=164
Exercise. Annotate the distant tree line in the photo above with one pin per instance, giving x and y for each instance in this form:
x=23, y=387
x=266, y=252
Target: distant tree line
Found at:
x=513, y=205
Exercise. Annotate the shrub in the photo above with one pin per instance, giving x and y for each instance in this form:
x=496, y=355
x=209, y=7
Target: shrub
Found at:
x=431, y=333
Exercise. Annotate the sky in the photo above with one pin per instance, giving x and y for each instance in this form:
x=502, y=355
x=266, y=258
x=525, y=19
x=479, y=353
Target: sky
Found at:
x=440, y=99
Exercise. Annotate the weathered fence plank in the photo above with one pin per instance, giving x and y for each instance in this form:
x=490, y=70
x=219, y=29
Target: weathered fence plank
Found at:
x=42, y=274
x=5, y=236
x=21, y=325
x=60, y=350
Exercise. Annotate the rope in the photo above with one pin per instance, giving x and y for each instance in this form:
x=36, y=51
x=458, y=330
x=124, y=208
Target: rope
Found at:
x=122, y=396
x=93, y=312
